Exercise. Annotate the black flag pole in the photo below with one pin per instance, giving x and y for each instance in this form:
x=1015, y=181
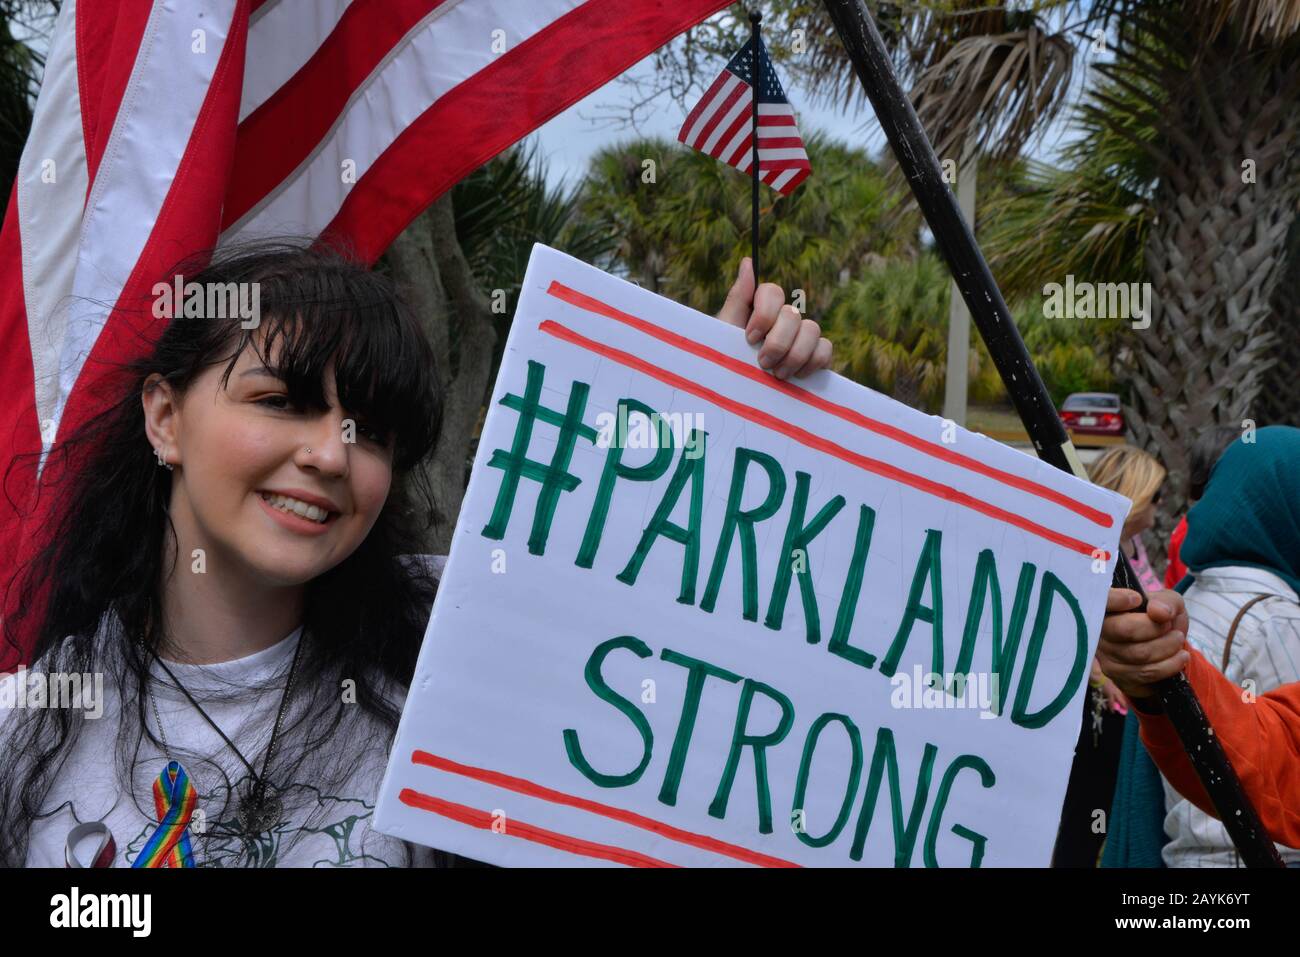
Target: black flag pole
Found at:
x=956, y=242
x=755, y=18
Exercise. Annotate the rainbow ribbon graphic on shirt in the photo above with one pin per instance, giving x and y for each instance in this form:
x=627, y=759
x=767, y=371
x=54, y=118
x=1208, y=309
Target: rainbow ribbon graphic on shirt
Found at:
x=174, y=799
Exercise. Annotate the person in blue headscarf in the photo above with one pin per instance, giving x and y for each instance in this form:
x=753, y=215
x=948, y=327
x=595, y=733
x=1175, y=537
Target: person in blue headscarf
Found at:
x=1242, y=596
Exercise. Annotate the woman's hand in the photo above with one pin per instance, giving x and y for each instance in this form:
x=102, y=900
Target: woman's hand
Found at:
x=792, y=345
x=1137, y=649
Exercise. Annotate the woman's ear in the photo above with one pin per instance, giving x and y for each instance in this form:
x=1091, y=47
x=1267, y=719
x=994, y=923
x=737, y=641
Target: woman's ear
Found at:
x=161, y=414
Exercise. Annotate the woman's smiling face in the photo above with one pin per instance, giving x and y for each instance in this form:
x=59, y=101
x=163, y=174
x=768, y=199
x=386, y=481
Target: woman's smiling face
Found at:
x=237, y=449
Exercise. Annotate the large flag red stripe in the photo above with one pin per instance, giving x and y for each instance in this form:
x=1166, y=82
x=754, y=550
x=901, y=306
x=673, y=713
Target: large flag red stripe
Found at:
x=284, y=130
x=466, y=127
x=108, y=39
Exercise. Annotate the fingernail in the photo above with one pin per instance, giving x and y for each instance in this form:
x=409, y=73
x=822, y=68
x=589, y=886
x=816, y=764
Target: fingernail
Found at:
x=765, y=361
x=752, y=337
x=1159, y=606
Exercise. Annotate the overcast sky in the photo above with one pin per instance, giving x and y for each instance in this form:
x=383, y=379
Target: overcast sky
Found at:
x=570, y=139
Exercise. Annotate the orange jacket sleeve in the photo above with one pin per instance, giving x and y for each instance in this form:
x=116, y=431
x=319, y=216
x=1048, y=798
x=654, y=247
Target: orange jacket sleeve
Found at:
x=1261, y=737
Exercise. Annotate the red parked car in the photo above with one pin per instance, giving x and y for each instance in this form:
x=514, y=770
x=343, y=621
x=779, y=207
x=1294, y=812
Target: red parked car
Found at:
x=1093, y=413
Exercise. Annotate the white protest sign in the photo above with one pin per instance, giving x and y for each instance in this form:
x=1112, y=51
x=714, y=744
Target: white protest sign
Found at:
x=710, y=641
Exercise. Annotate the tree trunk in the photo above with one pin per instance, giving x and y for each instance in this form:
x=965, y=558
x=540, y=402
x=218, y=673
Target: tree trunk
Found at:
x=427, y=259
x=1214, y=256
x=1279, y=401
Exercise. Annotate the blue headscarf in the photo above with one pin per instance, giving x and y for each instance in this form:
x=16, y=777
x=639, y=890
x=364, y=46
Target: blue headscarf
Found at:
x=1250, y=512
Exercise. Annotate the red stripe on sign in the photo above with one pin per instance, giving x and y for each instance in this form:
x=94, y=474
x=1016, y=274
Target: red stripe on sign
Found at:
x=528, y=832
x=466, y=127
x=592, y=304
x=524, y=786
x=804, y=437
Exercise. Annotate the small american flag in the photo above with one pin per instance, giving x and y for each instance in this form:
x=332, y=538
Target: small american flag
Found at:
x=722, y=125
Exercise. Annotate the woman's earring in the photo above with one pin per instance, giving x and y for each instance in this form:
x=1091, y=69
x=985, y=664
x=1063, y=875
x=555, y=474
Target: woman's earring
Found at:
x=158, y=454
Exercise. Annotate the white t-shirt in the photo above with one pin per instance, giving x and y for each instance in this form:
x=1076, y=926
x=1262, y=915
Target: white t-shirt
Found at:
x=317, y=830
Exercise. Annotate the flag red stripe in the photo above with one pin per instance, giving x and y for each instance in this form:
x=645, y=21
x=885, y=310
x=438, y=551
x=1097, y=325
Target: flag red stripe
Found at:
x=276, y=137
x=466, y=128
x=741, y=122
x=716, y=115
x=779, y=142
x=713, y=91
x=108, y=40
x=798, y=178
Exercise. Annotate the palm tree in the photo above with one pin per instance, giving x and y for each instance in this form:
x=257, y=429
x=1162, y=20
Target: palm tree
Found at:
x=463, y=261
x=683, y=234
x=1207, y=90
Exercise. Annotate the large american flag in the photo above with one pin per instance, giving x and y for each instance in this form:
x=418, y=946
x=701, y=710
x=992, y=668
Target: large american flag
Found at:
x=722, y=122
x=167, y=126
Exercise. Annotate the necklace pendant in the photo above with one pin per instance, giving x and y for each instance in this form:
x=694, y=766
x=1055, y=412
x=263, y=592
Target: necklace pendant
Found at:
x=259, y=810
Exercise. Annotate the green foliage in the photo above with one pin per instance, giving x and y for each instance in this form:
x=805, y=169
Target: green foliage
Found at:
x=890, y=329
x=505, y=206
x=1072, y=355
x=682, y=224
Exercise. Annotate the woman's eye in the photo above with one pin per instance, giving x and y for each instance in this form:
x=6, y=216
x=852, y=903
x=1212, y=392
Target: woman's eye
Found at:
x=376, y=435
x=278, y=401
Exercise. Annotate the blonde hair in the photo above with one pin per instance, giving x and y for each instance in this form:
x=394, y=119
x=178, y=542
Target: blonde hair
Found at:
x=1128, y=470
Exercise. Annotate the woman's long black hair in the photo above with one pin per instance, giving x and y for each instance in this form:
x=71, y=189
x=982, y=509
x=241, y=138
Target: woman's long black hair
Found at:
x=104, y=558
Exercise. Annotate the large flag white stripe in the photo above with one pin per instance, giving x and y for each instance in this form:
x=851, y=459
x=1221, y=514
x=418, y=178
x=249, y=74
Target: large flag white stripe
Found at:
x=49, y=213
x=741, y=105
x=787, y=153
x=775, y=109
x=715, y=101
x=282, y=36
x=445, y=49
x=159, y=107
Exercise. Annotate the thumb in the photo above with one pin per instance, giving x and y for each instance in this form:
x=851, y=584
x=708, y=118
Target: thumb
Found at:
x=740, y=299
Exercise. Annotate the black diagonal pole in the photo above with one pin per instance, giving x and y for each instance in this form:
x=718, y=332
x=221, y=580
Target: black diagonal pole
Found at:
x=956, y=242
x=755, y=18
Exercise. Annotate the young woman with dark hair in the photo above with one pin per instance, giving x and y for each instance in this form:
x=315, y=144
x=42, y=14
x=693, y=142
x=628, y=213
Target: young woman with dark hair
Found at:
x=235, y=557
